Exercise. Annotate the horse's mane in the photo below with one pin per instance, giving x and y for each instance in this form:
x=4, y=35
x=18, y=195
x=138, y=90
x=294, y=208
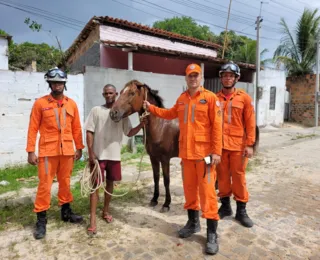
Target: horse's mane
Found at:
x=152, y=92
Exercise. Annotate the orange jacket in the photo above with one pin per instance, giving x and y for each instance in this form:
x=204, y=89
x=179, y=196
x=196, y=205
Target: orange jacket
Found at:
x=199, y=121
x=238, y=120
x=58, y=126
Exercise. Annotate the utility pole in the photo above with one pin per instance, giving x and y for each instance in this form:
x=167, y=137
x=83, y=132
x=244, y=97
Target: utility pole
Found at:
x=316, y=104
x=255, y=90
x=226, y=32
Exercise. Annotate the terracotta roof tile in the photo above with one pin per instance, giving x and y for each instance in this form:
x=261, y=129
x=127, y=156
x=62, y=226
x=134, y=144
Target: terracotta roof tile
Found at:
x=107, y=20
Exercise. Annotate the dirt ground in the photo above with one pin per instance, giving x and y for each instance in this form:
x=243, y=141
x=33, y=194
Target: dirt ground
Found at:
x=284, y=187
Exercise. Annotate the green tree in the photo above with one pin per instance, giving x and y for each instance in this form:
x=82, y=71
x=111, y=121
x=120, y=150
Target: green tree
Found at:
x=297, y=50
x=247, y=53
x=185, y=26
x=21, y=55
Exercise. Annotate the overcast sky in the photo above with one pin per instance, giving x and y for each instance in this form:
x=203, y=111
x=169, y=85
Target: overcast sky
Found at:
x=206, y=12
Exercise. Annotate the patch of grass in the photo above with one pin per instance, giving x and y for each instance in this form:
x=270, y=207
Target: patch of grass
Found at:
x=144, y=166
x=125, y=149
x=17, y=216
x=301, y=136
x=127, y=156
x=26, y=176
x=256, y=161
x=23, y=215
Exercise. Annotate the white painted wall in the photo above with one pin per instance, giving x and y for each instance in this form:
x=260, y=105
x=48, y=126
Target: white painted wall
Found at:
x=272, y=78
x=18, y=91
x=95, y=78
x=4, y=63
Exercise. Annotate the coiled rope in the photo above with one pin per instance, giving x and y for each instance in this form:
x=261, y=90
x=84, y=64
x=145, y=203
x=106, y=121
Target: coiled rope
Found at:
x=91, y=181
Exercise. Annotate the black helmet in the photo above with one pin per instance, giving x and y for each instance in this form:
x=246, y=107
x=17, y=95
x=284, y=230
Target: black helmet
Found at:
x=55, y=74
x=230, y=67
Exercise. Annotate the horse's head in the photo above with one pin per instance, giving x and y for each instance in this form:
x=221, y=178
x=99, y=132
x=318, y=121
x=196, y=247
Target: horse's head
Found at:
x=130, y=100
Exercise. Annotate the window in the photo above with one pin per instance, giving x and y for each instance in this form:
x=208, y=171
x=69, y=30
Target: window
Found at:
x=272, y=104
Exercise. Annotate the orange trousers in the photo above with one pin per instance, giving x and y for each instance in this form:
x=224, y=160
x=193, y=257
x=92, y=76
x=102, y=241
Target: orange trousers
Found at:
x=232, y=175
x=199, y=186
x=48, y=168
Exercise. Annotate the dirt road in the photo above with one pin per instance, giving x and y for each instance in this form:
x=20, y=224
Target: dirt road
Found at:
x=284, y=204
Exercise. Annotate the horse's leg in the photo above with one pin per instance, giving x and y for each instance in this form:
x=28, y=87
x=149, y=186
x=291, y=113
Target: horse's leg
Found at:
x=156, y=176
x=165, y=165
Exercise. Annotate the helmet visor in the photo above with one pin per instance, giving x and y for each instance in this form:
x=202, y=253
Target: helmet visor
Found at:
x=56, y=72
x=230, y=67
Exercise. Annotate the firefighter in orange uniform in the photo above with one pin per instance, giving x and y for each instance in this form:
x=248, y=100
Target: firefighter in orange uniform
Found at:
x=200, y=147
x=57, y=119
x=238, y=138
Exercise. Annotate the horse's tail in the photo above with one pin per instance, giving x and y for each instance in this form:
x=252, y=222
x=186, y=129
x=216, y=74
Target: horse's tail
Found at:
x=256, y=143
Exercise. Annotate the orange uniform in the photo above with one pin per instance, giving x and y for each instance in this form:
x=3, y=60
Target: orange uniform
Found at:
x=60, y=128
x=200, y=135
x=238, y=132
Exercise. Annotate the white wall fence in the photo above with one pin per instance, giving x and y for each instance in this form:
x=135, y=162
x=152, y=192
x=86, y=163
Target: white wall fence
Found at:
x=19, y=90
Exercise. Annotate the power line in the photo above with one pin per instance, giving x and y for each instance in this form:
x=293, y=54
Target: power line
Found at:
x=286, y=7
x=46, y=17
x=131, y=7
x=199, y=20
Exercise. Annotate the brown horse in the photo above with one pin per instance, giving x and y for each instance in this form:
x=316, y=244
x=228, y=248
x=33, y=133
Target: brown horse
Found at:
x=162, y=136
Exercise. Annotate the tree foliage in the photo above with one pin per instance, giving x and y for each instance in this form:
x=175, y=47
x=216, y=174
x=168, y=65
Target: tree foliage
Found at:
x=21, y=55
x=247, y=53
x=185, y=26
x=238, y=47
x=34, y=26
x=297, y=50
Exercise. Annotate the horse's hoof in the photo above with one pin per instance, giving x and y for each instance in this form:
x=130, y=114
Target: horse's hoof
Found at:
x=153, y=203
x=165, y=209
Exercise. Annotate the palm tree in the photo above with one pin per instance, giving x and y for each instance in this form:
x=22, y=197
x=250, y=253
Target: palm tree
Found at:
x=297, y=51
x=247, y=53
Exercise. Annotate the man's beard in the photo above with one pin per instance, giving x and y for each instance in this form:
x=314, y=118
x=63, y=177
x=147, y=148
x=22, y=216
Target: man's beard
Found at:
x=228, y=87
x=56, y=92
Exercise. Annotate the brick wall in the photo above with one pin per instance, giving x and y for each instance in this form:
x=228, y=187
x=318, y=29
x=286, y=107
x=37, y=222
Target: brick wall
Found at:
x=84, y=46
x=302, y=91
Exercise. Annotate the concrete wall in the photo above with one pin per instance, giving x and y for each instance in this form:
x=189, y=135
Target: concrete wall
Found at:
x=90, y=58
x=272, y=78
x=4, y=63
x=18, y=92
x=302, y=90
x=169, y=86
x=268, y=78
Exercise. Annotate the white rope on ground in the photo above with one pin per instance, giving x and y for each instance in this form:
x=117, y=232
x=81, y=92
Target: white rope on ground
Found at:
x=91, y=181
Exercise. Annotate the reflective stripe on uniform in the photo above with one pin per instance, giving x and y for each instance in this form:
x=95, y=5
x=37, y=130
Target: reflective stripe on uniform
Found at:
x=229, y=112
x=46, y=165
x=192, y=112
x=56, y=112
x=186, y=108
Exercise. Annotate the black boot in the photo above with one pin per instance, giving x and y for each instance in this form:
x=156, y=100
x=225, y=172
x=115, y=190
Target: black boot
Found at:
x=67, y=214
x=242, y=216
x=212, y=246
x=225, y=209
x=40, y=231
x=192, y=226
